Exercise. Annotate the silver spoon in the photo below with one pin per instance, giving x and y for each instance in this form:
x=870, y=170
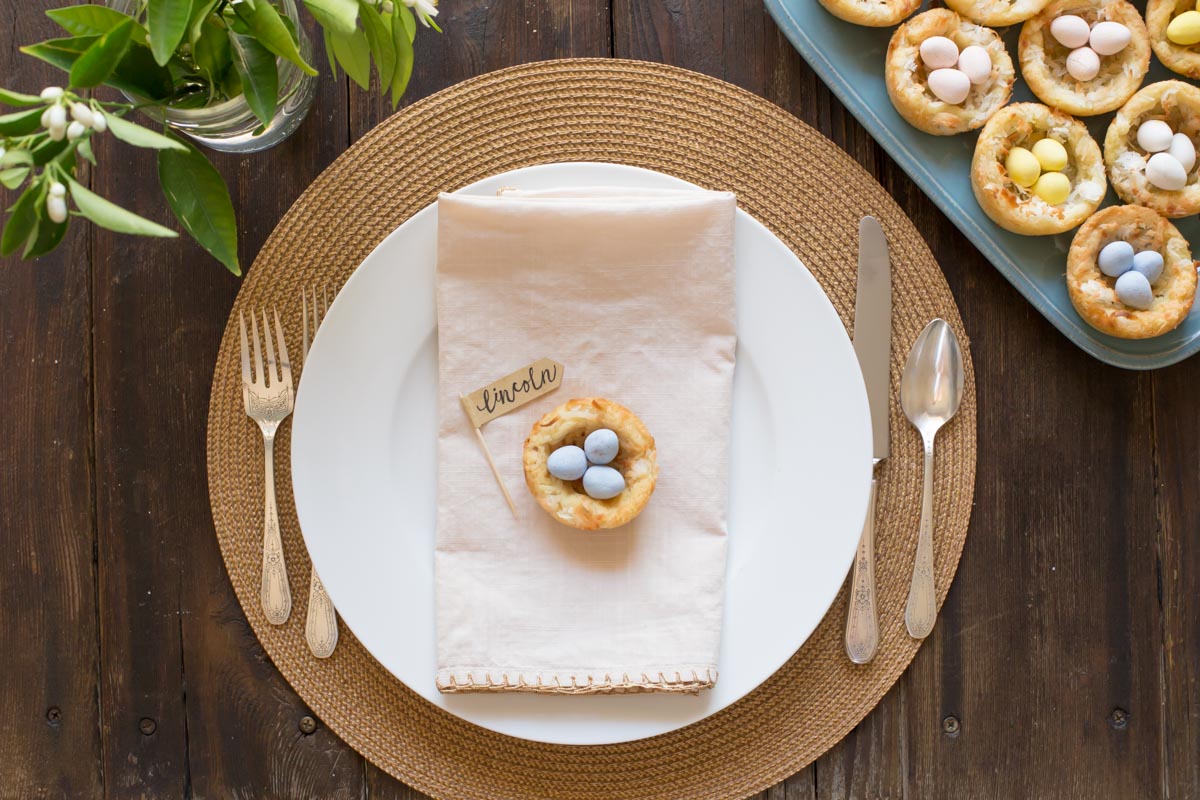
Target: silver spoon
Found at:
x=930, y=392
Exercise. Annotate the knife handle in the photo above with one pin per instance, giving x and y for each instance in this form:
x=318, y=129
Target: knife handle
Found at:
x=862, y=619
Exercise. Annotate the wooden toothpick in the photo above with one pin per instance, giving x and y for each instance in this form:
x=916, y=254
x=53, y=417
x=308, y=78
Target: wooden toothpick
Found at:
x=488, y=455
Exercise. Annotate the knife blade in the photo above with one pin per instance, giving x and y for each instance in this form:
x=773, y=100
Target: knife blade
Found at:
x=872, y=345
x=873, y=327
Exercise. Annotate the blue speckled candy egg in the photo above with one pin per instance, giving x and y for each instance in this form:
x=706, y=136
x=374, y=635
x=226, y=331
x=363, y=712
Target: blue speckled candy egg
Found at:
x=567, y=463
x=1116, y=259
x=1134, y=290
x=1149, y=263
x=601, y=446
x=603, y=482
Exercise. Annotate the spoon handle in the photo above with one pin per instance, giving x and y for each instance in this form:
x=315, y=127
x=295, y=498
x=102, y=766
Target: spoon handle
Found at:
x=862, y=620
x=922, y=596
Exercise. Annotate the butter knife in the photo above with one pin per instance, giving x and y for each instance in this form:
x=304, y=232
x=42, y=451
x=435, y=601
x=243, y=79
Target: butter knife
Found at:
x=872, y=345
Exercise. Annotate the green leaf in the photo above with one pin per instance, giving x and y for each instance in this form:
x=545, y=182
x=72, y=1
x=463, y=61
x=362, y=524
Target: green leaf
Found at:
x=257, y=70
x=93, y=20
x=197, y=194
x=339, y=16
x=267, y=27
x=168, y=21
x=200, y=15
x=136, y=135
x=379, y=41
x=409, y=19
x=48, y=150
x=21, y=221
x=354, y=55
x=20, y=123
x=111, y=216
x=16, y=158
x=47, y=236
x=85, y=149
x=17, y=99
x=137, y=72
x=212, y=52
x=404, y=58
x=101, y=58
x=13, y=177
x=329, y=55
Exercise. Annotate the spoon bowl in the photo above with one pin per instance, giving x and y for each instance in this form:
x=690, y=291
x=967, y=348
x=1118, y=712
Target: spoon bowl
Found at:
x=930, y=393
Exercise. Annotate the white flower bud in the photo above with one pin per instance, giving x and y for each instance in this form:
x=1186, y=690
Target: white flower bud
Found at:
x=2, y=152
x=99, y=123
x=58, y=190
x=388, y=6
x=75, y=130
x=46, y=118
x=81, y=113
x=57, y=117
x=51, y=93
x=58, y=132
x=56, y=208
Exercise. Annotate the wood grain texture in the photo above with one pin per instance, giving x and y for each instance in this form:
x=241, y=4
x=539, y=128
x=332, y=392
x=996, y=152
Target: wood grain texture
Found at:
x=50, y=739
x=1064, y=663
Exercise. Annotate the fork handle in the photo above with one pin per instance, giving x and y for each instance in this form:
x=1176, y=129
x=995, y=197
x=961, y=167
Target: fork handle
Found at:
x=320, y=628
x=862, y=619
x=276, y=596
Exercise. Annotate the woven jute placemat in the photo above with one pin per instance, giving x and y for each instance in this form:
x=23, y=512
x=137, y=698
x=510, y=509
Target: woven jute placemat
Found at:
x=802, y=187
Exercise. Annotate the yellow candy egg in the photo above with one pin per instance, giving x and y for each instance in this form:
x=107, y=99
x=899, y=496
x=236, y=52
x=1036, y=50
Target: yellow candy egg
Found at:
x=1023, y=167
x=1185, y=28
x=1050, y=154
x=1053, y=187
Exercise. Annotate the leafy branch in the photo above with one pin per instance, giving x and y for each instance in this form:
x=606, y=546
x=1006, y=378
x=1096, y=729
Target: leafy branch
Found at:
x=174, y=54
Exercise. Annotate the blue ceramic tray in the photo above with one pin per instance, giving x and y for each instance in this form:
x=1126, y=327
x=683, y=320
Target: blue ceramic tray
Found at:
x=849, y=58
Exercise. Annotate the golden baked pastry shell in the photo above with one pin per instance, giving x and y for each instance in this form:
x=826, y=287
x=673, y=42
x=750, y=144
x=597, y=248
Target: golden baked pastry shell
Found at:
x=1178, y=104
x=1183, y=59
x=570, y=423
x=871, y=13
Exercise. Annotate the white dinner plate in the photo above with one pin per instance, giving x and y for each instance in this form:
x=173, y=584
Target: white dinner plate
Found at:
x=364, y=450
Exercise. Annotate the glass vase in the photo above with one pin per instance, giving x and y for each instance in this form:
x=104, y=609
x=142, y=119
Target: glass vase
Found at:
x=230, y=125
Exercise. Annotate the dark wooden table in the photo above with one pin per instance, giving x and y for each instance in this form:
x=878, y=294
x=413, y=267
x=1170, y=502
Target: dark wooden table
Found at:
x=1066, y=662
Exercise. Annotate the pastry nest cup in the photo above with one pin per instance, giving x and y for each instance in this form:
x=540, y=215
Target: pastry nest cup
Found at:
x=1176, y=103
x=906, y=74
x=570, y=423
x=1044, y=60
x=1093, y=293
x=997, y=13
x=1017, y=209
x=871, y=13
x=1184, y=59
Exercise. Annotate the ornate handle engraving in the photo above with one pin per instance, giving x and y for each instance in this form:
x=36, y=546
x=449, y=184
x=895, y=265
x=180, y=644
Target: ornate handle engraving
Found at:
x=862, y=619
x=320, y=628
x=276, y=596
x=921, y=612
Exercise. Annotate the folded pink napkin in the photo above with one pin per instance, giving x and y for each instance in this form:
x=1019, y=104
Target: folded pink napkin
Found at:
x=633, y=292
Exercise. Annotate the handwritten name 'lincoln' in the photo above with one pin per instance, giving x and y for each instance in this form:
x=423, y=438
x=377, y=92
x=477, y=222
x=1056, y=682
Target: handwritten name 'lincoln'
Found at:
x=498, y=397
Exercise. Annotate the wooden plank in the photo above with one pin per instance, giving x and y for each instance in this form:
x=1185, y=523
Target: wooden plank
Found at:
x=191, y=705
x=482, y=36
x=1177, y=440
x=50, y=742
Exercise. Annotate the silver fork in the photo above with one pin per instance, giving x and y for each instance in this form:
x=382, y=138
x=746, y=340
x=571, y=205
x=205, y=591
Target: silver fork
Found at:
x=269, y=399
x=320, y=628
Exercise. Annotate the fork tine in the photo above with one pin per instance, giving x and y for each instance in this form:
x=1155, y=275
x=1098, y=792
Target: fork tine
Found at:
x=272, y=373
x=246, y=378
x=285, y=364
x=260, y=378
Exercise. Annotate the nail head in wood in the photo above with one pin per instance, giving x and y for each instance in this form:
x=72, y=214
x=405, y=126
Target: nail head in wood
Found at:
x=53, y=715
x=147, y=726
x=951, y=726
x=1119, y=719
x=307, y=725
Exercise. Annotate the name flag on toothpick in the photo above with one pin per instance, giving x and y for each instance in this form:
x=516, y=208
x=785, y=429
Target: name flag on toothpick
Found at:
x=505, y=395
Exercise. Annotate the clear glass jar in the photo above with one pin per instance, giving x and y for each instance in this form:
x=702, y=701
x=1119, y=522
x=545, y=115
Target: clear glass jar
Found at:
x=230, y=125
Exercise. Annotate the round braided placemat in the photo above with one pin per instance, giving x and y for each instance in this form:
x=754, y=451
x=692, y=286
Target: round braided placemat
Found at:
x=802, y=187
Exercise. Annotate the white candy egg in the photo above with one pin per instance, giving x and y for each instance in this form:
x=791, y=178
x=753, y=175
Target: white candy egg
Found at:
x=567, y=463
x=976, y=64
x=1109, y=38
x=939, y=52
x=603, y=483
x=1183, y=150
x=1165, y=172
x=1083, y=64
x=949, y=85
x=1134, y=290
x=601, y=446
x=1154, y=136
x=1070, y=31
